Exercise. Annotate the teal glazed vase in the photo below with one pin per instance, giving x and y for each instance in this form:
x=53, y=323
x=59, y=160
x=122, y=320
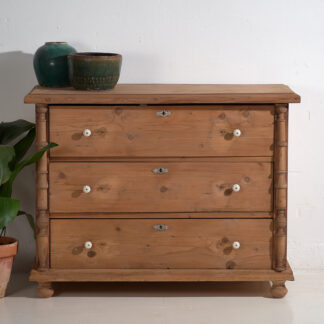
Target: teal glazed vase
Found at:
x=51, y=65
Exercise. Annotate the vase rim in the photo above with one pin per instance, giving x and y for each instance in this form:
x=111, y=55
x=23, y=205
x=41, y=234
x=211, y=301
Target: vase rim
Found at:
x=96, y=55
x=49, y=43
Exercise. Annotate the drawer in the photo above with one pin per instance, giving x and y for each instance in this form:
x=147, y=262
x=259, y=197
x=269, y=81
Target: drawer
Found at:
x=161, y=131
x=164, y=243
x=160, y=187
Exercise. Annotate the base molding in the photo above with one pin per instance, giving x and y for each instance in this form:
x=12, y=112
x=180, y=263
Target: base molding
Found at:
x=146, y=275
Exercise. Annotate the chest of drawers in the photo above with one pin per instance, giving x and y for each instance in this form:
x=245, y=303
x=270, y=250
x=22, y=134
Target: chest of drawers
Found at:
x=163, y=183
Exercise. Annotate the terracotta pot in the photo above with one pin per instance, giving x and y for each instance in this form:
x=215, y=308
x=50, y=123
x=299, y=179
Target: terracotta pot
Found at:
x=8, y=249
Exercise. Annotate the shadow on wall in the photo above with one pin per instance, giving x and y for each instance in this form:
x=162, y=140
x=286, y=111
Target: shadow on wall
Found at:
x=16, y=79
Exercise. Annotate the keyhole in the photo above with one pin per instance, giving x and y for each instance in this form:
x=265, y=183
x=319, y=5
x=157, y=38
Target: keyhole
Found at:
x=161, y=227
x=161, y=170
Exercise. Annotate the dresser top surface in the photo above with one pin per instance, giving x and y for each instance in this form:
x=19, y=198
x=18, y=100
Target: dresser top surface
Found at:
x=167, y=94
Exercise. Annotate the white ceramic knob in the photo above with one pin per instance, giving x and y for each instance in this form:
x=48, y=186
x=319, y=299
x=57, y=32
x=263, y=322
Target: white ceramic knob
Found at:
x=237, y=132
x=236, y=245
x=236, y=187
x=86, y=189
x=88, y=245
x=87, y=132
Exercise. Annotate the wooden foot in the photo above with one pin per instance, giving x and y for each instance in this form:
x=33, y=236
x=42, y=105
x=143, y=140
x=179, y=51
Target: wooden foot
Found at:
x=278, y=289
x=45, y=289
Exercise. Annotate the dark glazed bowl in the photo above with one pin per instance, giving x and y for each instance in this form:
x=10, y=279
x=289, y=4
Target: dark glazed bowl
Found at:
x=94, y=71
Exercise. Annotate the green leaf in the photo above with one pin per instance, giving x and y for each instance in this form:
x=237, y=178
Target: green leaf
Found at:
x=11, y=130
x=30, y=220
x=24, y=144
x=8, y=210
x=6, y=188
x=7, y=154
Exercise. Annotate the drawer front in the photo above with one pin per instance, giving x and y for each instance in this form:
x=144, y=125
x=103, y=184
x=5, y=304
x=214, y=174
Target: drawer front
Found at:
x=164, y=243
x=163, y=131
x=160, y=187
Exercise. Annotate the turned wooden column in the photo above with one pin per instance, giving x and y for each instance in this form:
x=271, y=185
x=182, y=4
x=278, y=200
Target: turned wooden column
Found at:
x=45, y=289
x=280, y=188
x=42, y=217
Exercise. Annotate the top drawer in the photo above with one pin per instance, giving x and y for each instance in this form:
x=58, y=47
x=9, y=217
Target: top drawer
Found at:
x=161, y=131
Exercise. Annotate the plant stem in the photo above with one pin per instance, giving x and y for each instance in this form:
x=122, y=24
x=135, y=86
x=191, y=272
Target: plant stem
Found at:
x=3, y=232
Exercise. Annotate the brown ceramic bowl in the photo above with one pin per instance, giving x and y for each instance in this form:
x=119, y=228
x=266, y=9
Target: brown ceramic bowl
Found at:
x=94, y=71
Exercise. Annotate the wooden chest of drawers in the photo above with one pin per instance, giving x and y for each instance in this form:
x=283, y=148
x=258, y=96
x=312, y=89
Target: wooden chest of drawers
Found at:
x=163, y=183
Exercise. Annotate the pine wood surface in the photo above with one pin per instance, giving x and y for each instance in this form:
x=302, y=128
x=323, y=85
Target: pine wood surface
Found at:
x=191, y=244
x=133, y=187
x=194, y=198
x=42, y=217
x=233, y=159
x=128, y=131
x=278, y=289
x=45, y=289
x=280, y=188
x=163, y=215
x=139, y=275
x=167, y=94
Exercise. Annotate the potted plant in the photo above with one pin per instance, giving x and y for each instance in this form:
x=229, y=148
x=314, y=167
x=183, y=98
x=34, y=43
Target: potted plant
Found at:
x=13, y=148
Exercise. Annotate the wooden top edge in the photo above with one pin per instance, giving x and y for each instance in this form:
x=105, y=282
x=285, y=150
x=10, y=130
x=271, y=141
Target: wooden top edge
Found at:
x=167, y=93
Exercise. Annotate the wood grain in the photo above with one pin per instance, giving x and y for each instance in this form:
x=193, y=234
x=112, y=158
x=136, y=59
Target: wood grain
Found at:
x=153, y=275
x=187, y=187
x=280, y=188
x=194, y=199
x=165, y=215
x=42, y=218
x=167, y=94
x=130, y=131
x=234, y=159
x=185, y=243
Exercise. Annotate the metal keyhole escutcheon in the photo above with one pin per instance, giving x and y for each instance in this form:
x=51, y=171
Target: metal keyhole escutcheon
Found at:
x=160, y=227
x=163, y=113
x=160, y=170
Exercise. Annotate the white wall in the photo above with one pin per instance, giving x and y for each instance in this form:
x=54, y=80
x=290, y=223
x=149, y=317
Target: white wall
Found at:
x=178, y=41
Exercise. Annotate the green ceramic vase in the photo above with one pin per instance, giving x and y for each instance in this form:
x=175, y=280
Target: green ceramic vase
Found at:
x=94, y=71
x=50, y=64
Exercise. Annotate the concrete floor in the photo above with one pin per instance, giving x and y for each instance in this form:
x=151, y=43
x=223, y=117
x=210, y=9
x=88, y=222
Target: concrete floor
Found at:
x=166, y=303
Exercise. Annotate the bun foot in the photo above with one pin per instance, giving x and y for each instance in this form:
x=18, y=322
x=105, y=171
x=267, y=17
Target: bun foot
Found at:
x=45, y=289
x=278, y=289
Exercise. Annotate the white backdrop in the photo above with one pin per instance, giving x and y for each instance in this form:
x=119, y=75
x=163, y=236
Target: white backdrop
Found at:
x=186, y=41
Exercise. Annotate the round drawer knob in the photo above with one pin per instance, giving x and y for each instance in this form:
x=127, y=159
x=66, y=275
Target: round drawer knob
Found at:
x=87, y=132
x=86, y=189
x=236, y=187
x=237, y=132
x=236, y=245
x=88, y=245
